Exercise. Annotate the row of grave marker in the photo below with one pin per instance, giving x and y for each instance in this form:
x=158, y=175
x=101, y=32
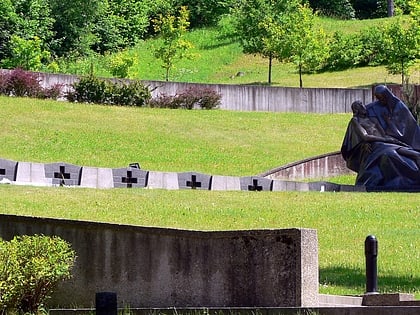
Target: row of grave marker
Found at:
x=64, y=174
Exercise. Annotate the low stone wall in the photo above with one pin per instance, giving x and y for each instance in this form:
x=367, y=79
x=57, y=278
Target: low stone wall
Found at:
x=282, y=179
x=250, y=97
x=154, y=267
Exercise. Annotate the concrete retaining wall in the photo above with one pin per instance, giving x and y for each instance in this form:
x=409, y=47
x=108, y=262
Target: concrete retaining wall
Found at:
x=251, y=97
x=153, y=267
x=326, y=165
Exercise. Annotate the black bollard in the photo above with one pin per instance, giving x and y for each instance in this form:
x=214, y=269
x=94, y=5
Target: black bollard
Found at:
x=106, y=303
x=371, y=253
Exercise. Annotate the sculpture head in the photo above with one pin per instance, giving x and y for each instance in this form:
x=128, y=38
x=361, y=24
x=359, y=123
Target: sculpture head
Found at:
x=384, y=95
x=359, y=110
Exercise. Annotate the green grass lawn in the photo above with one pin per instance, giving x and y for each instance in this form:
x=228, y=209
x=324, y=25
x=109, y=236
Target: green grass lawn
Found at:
x=212, y=142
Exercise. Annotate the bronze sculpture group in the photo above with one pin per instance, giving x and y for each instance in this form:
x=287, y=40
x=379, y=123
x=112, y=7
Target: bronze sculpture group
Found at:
x=382, y=143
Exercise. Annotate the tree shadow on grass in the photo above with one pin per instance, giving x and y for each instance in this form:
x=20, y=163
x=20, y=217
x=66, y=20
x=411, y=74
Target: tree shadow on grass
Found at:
x=353, y=277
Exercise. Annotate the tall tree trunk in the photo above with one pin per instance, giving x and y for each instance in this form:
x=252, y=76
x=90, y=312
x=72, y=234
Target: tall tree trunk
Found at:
x=390, y=8
x=300, y=76
x=270, y=64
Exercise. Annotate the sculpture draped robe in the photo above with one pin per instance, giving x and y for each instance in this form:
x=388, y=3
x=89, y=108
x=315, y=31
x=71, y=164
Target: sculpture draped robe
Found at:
x=381, y=164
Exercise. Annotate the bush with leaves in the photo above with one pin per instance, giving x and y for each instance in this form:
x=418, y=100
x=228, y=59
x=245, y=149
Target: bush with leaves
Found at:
x=21, y=83
x=30, y=268
x=193, y=97
x=91, y=89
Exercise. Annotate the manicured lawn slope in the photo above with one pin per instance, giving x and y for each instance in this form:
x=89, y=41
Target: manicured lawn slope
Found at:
x=213, y=142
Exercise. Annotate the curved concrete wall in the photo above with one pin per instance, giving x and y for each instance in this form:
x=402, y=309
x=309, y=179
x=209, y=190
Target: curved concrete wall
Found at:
x=154, y=267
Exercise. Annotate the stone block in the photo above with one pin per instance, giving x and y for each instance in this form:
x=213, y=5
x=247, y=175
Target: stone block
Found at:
x=324, y=186
x=32, y=174
x=192, y=180
x=255, y=183
x=63, y=174
x=283, y=185
x=162, y=180
x=386, y=299
x=8, y=170
x=93, y=177
x=130, y=177
x=225, y=183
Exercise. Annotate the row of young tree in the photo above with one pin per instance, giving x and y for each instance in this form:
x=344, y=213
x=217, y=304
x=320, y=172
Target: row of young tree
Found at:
x=286, y=31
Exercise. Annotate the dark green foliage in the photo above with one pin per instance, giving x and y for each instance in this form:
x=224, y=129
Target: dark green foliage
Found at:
x=334, y=8
x=345, y=51
x=30, y=268
x=205, y=12
x=193, y=97
x=98, y=91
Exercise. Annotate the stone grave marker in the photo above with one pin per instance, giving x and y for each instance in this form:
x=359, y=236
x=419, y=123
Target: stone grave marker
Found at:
x=255, y=183
x=192, y=180
x=130, y=177
x=8, y=170
x=63, y=174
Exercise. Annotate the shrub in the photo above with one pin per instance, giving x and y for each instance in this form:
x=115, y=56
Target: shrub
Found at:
x=88, y=90
x=204, y=98
x=193, y=97
x=30, y=268
x=93, y=90
x=132, y=93
x=24, y=83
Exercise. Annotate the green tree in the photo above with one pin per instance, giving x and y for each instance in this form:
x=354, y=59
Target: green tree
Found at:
x=259, y=26
x=26, y=54
x=73, y=26
x=8, y=19
x=300, y=43
x=402, y=40
x=173, y=47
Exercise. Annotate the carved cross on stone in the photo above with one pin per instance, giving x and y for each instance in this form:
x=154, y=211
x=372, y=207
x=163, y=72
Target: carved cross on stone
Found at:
x=255, y=186
x=129, y=180
x=62, y=175
x=193, y=182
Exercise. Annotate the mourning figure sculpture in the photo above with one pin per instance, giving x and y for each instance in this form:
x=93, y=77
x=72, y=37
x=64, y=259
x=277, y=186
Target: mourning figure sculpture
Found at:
x=382, y=143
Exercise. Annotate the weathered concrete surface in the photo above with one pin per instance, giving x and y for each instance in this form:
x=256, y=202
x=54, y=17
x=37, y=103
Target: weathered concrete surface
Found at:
x=153, y=267
x=325, y=165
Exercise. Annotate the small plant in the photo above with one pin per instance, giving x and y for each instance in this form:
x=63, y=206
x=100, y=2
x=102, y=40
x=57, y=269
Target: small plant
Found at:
x=30, y=267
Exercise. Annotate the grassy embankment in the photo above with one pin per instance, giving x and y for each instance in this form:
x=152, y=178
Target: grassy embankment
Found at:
x=219, y=60
x=213, y=142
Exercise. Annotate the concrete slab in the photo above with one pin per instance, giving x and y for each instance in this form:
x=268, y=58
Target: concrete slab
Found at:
x=163, y=180
x=32, y=174
x=285, y=185
x=225, y=183
x=93, y=177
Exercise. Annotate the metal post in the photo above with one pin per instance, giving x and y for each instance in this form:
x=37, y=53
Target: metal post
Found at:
x=106, y=303
x=371, y=253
